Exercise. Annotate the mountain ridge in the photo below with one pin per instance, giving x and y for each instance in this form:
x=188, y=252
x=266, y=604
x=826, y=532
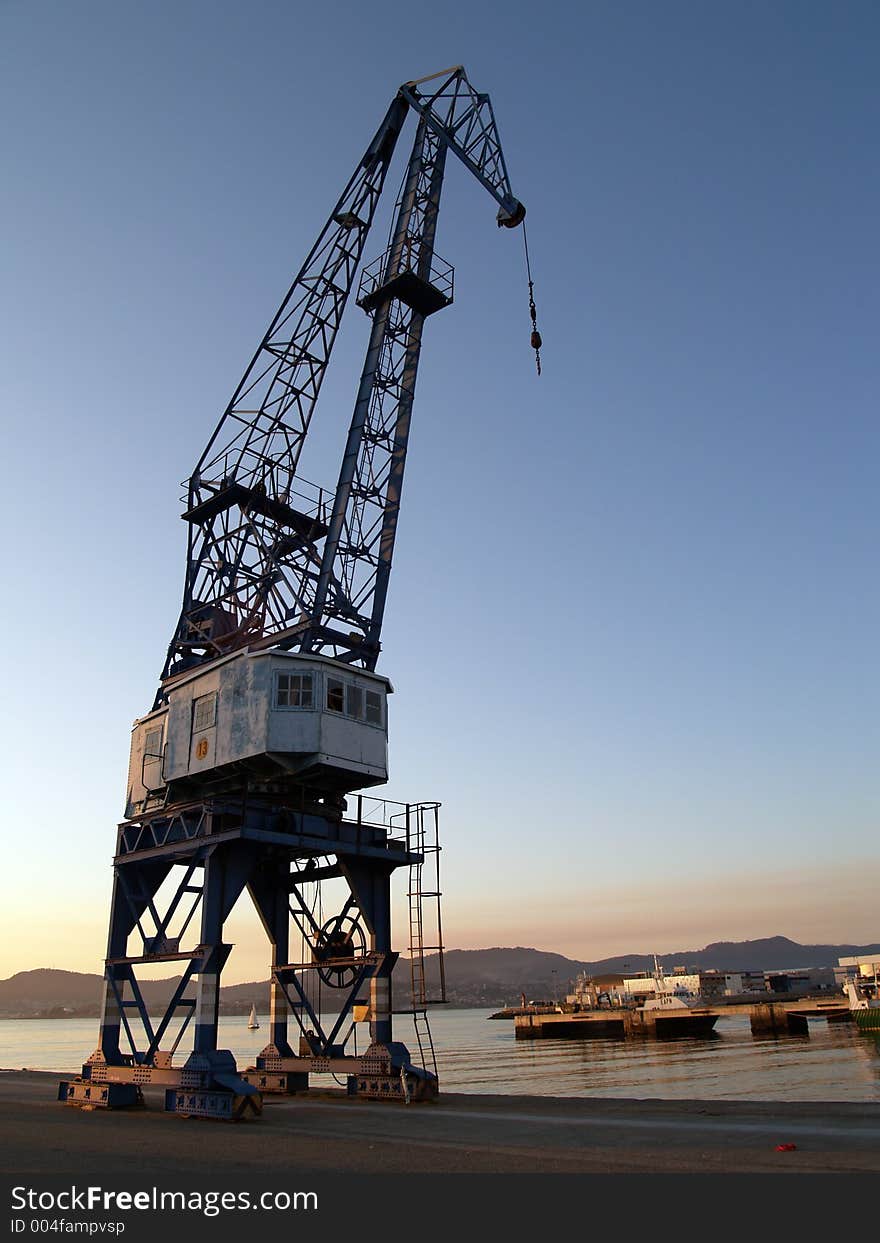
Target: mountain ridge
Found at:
x=483, y=977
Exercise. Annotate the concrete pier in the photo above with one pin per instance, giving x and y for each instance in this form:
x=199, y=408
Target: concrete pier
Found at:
x=775, y=1018
x=781, y=1018
x=569, y=1026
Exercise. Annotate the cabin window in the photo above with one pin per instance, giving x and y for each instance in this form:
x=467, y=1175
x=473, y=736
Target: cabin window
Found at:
x=204, y=712
x=373, y=707
x=153, y=744
x=335, y=695
x=354, y=702
x=151, y=763
x=294, y=690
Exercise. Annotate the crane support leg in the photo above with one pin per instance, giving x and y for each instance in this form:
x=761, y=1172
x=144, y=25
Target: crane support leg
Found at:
x=269, y=888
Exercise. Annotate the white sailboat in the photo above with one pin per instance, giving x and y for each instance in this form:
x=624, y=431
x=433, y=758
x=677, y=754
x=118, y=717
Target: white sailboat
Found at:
x=253, y=1021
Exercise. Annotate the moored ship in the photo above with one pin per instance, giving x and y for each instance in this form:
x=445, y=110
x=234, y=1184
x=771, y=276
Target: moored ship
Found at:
x=674, y=1011
x=675, y=1014
x=862, y=990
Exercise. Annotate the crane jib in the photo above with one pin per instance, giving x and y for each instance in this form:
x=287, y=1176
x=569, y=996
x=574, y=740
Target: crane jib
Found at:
x=270, y=554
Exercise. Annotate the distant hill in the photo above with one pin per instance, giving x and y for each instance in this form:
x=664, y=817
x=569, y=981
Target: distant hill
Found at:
x=497, y=976
x=488, y=977
x=493, y=977
x=767, y=954
x=48, y=990
x=47, y=987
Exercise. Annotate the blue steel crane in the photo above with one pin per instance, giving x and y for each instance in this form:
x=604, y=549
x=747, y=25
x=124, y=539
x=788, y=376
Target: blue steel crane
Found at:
x=270, y=718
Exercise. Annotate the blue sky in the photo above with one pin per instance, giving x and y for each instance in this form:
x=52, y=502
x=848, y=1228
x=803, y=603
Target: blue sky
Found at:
x=633, y=615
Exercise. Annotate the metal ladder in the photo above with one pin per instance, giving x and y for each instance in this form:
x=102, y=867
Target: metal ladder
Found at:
x=422, y=835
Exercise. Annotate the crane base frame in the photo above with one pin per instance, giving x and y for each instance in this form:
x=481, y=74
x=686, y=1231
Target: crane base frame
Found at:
x=221, y=849
x=211, y=1103
x=91, y=1094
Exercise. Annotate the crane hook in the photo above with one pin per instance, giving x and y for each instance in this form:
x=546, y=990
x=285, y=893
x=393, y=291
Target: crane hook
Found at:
x=535, y=339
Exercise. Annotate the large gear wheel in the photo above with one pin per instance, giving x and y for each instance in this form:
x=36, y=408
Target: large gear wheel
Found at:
x=341, y=937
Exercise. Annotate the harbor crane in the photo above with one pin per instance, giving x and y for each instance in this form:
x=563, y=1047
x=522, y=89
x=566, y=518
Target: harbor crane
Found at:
x=269, y=723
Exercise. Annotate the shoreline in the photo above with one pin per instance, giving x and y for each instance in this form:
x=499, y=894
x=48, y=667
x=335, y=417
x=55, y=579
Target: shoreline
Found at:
x=325, y=1132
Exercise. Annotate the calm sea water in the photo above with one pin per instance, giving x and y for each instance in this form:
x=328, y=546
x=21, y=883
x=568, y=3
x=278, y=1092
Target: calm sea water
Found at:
x=475, y=1054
